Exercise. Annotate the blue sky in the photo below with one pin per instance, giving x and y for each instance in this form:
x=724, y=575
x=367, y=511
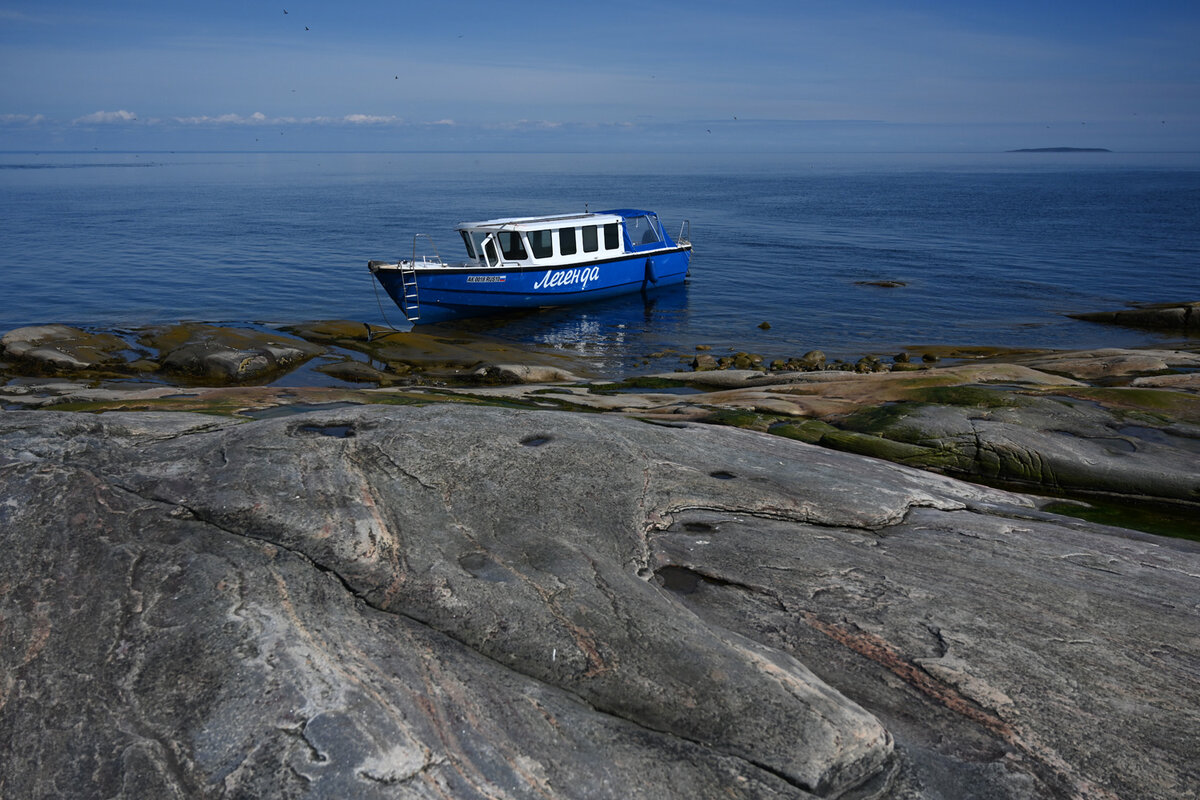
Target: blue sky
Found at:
x=534, y=75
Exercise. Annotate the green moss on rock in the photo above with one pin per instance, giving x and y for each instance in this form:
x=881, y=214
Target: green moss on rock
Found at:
x=973, y=396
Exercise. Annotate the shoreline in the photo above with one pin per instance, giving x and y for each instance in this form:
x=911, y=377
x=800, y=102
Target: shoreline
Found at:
x=1133, y=411
x=331, y=353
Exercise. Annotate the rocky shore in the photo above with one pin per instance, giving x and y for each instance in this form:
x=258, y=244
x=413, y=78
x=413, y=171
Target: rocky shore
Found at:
x=423, y=579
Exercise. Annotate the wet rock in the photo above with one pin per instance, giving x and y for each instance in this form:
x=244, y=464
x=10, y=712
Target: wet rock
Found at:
x=450, y=357
x=227, y=355
x=355, y=372
x=471, y=602
x=766, y=326
x=524, y=373
x=50, y=349
x=1169, y=316
x=813, y=360
x=704, y=362
x=870, y=364
x=746, y=361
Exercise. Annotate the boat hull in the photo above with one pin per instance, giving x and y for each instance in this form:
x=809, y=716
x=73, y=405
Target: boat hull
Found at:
x=453, y=293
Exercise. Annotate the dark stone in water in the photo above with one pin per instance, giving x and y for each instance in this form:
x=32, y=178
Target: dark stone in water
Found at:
x=1062, y=150
x=1163, y=316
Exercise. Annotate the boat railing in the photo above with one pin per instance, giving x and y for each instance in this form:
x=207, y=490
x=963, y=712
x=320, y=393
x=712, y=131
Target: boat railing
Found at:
x=436, y=259
x=685, y=233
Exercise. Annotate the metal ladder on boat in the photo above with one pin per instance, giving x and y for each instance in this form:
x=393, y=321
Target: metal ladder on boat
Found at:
x=411, y=298
x=411, y=305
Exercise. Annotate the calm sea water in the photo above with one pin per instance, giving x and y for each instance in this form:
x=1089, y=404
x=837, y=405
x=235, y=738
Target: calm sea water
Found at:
x=993, y=249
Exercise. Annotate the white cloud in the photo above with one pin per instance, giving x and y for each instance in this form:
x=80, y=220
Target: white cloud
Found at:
x=106, y=117
x=524, y=125
x=369, y=119
x=21, y=119
x=8, y=15
x=259, y=118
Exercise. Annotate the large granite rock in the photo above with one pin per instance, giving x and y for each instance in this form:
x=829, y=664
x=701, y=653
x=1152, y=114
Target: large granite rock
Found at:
x=472, y=602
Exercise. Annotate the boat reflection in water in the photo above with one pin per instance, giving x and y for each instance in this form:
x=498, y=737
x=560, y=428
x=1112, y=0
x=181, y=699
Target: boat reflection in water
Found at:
x=601, y=339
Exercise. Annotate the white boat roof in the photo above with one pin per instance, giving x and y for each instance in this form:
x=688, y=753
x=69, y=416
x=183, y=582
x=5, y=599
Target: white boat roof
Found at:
x=539, y=223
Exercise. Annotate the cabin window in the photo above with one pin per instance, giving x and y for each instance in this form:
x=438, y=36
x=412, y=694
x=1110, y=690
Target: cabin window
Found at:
x=541, y=243
x=643, y=230
x=566, y=241
x=470, y=247
x=591, y=239
x=612, y=236
x=511, y=245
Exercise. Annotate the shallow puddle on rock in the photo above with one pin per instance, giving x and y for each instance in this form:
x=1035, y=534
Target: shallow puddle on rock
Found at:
x=275, y=412
x=335, y=431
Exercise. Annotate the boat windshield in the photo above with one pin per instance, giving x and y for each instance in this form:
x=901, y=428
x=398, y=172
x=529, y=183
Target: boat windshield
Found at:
x=482, y=245
x=643, y=229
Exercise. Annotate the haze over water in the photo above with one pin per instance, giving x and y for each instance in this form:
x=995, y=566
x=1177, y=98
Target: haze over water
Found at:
x=991, y=249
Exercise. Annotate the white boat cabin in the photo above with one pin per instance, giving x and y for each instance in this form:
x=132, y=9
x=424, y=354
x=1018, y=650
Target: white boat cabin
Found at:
x=560, y=240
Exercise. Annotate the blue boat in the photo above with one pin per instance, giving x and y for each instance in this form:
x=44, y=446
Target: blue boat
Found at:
x=530, y=262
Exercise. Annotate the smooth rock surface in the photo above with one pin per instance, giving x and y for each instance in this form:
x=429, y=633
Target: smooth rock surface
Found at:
x=1060, y=443
x=480, y=602
x=1112, y=362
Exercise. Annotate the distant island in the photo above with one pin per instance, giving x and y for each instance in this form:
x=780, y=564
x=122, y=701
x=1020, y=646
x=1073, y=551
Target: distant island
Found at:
x=1062, y=150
